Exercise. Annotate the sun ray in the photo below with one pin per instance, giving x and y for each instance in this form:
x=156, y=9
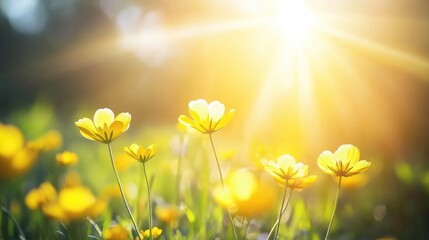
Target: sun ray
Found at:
x=416, y=65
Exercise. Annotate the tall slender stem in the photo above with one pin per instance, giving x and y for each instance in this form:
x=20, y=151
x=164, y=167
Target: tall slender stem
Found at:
x=122, y=191
x=178, y=176
x=223, y=186
x=333, y=212
x=148, y=200
x=21, y=233
x=281, y=210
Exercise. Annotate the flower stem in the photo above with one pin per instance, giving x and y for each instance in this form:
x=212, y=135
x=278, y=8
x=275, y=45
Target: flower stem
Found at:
x=21, y=233
x=223, y=186
x=333, y=212
x=122, y=191
x=281, y=210
x=149, y=201
x=277, y=221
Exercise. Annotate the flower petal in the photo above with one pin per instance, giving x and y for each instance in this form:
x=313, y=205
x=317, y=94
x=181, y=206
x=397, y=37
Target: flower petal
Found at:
x=286, y=162
x=125, y=118
x=224, y=120
x=347, y=154
x=326, y=162
x=216, y=111
x=185, y=120
x=359, y=167
x=199, y=110
x=102, y=117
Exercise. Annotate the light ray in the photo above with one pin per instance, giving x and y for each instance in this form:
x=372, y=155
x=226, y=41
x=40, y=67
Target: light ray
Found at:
x=397, y=58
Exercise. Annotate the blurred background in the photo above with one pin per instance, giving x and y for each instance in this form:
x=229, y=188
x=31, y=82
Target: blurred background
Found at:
x=303, y=76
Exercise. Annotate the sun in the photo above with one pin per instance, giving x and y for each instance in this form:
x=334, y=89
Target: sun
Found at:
x=295, y=21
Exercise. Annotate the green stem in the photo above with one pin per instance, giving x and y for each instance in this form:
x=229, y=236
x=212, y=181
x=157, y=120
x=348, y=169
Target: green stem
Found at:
x=281, y=210
x=223, y=186
x=333, y=212
x=148, y=200
x=122, y=191
x=178, y=177
x=21, y=233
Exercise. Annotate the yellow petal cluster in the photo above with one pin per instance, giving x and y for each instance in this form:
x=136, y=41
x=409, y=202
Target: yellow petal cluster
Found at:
x=244, y=194
x=166, y=213
x=141, y=153
x=43, y=195
x=105, y=127
x=116, y=232
x=49, y=141
x=66, y=158
x=344, y=162
x=156, y=232
x=71, y=203
x=16, y=157
x=205, y=117
x=286, y=171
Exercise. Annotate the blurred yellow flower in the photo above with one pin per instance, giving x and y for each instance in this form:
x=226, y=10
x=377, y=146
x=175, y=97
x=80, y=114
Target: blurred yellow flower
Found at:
x=72, y=179
x=49, y=141
x=206, y=118
x=16, y=157
x=106, y=127
x=74, y=203
x=166, y=213
x=344, y=162
x=244, y=194
x=141, y=153
x=116, y=232
x=357, y=181
x=38, y=197
x=124, y=162
x=156, y=232
x=66, y=158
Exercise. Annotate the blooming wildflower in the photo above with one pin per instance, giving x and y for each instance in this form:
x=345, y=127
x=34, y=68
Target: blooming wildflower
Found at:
x=40, y=196
x=286, y=168
x=156, y=232
x=66, y=158
x=242, y=194
x=116, y=232
x=344, y=162
x=206, y=118
x=74, y=203
x=106, y=127
x=16, y=157
x=141, y=153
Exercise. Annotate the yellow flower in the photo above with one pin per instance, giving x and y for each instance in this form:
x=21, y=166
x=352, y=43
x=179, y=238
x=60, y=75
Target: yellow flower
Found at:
x=286, y=171
x=141, y=153
x=49, y=141
x=156, y=232
x=106, y=127
x=74, y=203
x=116, y=232
x=344, y=162
x=124, y=162
x=206, y=118
x=16, y=157
x=286, y=168
x=41, y=196
x=166, y=213
x=244, y=194
x=67, y=158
